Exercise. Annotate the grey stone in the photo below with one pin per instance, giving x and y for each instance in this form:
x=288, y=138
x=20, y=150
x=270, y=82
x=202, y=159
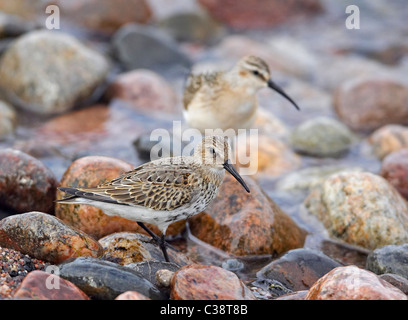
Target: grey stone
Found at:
x=137, y=46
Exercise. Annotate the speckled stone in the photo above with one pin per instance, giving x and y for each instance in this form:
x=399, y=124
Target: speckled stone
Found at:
x=360, y=208
x=26, y=184
x=14, y=267
x=129, y=247
x=245, y=224
x=46, y=237
x=353, y=283
x=201, y=282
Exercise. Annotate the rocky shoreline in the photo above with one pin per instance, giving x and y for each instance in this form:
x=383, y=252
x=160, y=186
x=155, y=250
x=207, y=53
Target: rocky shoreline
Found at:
x=327, y=216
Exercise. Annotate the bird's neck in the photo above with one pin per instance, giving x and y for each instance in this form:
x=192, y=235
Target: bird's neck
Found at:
x=238, y=84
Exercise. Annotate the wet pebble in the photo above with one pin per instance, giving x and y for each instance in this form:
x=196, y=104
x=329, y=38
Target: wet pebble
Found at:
x=353, y=283
x=322, y=137
x=394, y=169
x=131, y=42
x=40, y=82
x=40, y=285
x=259, y=13
x=367, y=104
x=201, y=282
x=360, y=208
x=157, y=272
x=246, y=224
x=389, y=259
x=26, y=184
x=163, y=278
x=105, y=280
x=126, y=247
x=14, y=266
x=144, y=90
x=298, y=269
x=387, y=139
x=46, y=237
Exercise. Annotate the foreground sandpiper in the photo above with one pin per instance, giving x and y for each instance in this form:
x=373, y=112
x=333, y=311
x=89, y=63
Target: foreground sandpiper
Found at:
x=227, y=99
x=163, y=191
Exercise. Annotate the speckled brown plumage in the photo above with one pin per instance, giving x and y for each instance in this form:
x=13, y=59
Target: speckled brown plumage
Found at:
x=165, y=190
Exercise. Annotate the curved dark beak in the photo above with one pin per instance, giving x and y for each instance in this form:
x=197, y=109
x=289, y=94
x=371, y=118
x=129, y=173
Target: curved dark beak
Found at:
x=228, y=166
x=278, y=89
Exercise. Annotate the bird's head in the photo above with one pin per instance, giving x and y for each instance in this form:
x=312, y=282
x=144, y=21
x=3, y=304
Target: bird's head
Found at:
x=254, y=74
x=215, y=152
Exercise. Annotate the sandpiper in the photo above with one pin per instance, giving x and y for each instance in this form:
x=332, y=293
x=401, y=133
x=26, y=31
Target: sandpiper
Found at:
x=227, y=100
x=165, y=190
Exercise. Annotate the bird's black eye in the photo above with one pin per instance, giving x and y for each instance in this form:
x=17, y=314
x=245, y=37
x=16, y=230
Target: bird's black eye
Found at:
x=255, y=72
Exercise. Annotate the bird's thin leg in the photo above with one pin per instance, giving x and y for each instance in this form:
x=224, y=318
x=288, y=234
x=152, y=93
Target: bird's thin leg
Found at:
x=159, y=240
x=150, y=232
x=162, y=245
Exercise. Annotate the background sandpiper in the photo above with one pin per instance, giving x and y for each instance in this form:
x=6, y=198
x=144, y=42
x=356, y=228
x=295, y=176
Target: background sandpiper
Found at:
x=227, y=99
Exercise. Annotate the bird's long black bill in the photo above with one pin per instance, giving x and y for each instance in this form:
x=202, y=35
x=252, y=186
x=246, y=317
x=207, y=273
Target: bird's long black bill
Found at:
x=228, y=166
x=279, y=90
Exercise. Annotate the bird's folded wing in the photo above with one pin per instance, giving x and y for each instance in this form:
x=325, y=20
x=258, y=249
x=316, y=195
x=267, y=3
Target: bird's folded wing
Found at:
x=165, y=188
